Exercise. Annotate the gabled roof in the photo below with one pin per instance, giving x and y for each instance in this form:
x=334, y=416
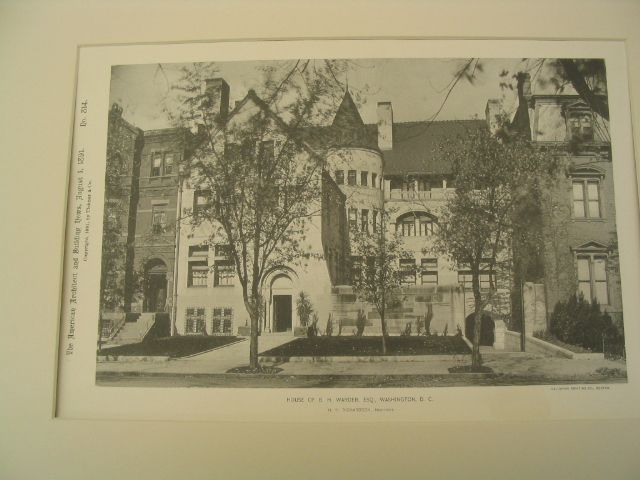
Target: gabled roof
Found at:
x=298, y=136
x=416, y=145
x=115, y=114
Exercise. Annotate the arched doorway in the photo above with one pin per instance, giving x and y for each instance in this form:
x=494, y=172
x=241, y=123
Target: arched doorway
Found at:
x=487, y=328
x=155, y=286
x=281, y=303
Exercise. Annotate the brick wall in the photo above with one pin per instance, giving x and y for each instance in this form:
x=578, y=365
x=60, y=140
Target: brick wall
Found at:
x=563, y=233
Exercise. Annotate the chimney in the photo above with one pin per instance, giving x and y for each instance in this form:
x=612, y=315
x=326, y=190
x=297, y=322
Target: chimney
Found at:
x=385, y=126
x=492, y=114
x=116, y=111
x=217, y=91
x=524, y=84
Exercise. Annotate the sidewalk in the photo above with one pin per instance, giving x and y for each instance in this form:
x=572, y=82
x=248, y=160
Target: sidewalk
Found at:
x=220, y=361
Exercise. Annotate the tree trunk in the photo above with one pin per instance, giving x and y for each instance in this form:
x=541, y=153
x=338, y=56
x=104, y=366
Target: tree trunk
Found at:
x=385, y=334
x=427, y=319
x=581, y=86
x=253, y=342
x=253, y=309
x=476, y=359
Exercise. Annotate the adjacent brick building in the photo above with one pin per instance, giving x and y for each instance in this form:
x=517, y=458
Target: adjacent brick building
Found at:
x=143, y=168
x=578, y=214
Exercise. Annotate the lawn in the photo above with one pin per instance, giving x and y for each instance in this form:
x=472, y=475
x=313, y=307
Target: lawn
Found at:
x=361, y=346
x=173, y=347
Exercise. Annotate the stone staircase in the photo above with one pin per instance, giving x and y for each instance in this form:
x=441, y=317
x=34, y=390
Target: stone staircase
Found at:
x=345, y=306
x=133, y=332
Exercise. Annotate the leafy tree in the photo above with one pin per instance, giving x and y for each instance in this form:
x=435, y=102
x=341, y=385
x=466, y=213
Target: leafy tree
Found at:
x=588, y=79
x=262, y=177
x=377, y=276
x=587, y=76
x=493, y=174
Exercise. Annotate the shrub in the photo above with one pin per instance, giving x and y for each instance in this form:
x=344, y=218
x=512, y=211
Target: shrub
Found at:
x=312, y=330
x=361, y=322
x=458, y=331
x=613, y=340
x=579, y=322
x=611, y=372
x=329, y=330
x=304, y=308
x=419, y=326
x=407, y=330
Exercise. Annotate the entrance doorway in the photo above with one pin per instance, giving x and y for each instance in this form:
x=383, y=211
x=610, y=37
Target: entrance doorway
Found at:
x=282, y=307
x=155, y=295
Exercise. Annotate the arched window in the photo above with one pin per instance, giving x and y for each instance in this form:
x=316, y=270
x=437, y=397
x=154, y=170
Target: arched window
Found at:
x=416, y=224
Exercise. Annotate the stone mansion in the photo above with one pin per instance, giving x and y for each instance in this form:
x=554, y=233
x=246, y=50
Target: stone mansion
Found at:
x=369, y=168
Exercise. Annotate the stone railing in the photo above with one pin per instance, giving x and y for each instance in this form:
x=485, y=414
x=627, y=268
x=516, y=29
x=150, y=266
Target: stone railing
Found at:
x=145, y=322
x=111, y=325
x=412, y=195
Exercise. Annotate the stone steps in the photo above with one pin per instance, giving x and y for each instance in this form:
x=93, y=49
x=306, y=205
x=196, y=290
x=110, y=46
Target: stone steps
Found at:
x=132, y=332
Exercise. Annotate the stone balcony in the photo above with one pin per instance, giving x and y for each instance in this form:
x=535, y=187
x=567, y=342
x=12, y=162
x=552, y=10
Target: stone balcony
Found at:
x=413, y=195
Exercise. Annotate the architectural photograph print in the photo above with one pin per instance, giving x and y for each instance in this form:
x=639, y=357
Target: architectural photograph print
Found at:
x=380, y=222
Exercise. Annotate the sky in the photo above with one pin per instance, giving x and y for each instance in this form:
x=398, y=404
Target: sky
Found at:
x=416, y=88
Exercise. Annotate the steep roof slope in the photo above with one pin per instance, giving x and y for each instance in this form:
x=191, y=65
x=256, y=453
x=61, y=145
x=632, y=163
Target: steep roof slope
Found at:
x=416, y=145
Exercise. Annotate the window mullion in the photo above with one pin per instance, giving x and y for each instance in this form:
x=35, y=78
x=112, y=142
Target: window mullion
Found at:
x=592, y=276
x=585, y=198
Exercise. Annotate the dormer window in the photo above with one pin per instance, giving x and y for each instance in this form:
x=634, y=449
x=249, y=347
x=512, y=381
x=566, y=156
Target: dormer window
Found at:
x=579, y=123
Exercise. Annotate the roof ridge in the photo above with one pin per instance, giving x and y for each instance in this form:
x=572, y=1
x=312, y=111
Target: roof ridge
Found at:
x=415, y=122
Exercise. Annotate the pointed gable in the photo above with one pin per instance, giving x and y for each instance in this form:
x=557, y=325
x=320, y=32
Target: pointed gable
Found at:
x=252, y=103
x=591, y=246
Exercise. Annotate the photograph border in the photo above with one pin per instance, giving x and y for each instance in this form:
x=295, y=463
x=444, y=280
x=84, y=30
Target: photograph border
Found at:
x=278, y=409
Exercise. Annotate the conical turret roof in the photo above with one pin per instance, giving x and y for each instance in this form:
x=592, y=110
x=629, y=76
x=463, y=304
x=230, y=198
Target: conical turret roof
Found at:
x=348, y=129
x=347, y=115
